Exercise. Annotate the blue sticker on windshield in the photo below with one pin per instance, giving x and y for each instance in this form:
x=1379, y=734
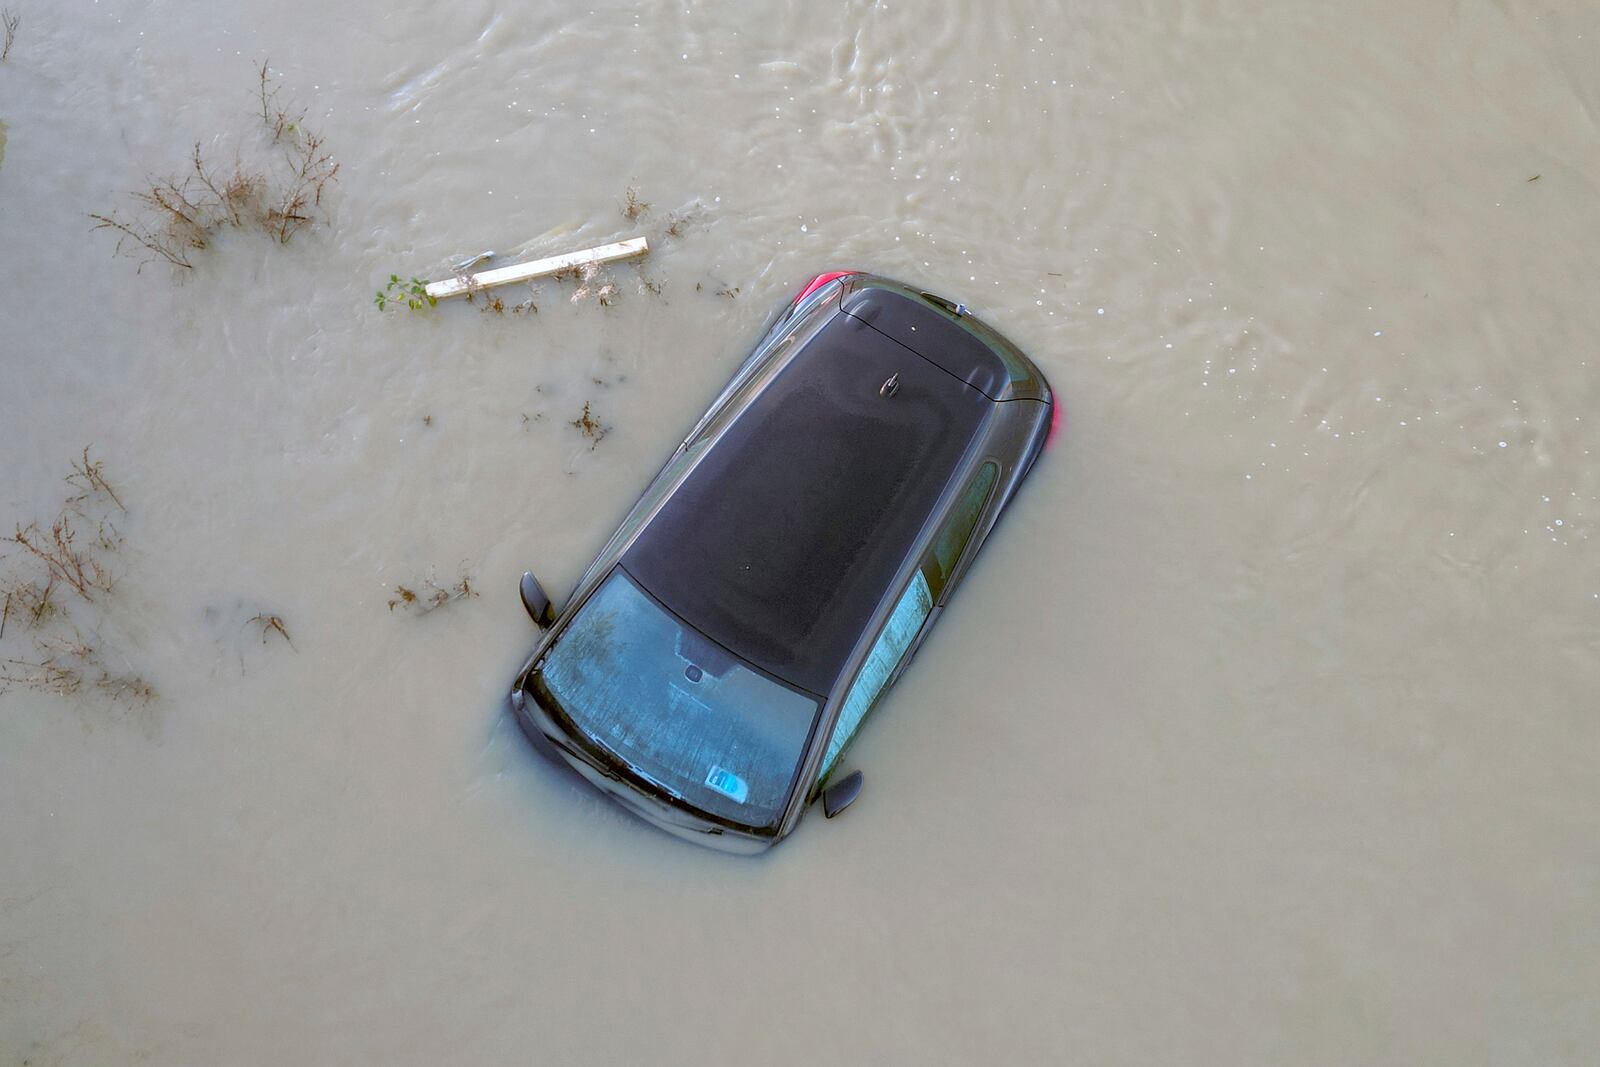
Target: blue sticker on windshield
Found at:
x=728, y=784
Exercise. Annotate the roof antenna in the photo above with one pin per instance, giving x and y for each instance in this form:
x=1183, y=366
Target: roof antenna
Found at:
x=890, y=386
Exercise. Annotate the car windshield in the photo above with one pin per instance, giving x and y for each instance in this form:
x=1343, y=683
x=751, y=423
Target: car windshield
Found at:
x=677, y=709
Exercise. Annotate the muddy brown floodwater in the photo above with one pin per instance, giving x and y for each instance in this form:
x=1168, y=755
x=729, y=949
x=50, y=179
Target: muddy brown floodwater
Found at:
x=1264, y=733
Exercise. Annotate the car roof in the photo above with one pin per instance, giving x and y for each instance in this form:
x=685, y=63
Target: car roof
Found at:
x=785, y=537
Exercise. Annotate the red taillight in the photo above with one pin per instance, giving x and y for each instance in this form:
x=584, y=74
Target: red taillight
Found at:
x=1055, y=423
x=820, y=280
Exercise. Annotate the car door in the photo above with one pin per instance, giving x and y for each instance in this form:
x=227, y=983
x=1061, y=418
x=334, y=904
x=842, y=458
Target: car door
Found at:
x=913, y=615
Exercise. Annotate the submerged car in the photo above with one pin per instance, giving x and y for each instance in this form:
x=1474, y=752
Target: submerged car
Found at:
x=780, y=572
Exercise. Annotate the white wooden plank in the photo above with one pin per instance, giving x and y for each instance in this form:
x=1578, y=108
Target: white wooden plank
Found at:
x=538, y=268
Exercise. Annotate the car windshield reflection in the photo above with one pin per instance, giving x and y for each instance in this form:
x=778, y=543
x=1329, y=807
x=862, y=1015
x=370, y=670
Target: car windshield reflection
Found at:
x=677, y=709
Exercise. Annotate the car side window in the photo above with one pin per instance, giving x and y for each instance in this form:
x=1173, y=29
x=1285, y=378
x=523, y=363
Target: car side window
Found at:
x=930, y=582
x=904, y=622
x=947, y=550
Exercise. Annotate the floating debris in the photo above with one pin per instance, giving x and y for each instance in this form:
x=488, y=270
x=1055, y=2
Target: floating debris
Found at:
x=632, y=206
x=272, y=624
x=591, y=427
x=538, y=268
x=58, y=571
x=428, y=595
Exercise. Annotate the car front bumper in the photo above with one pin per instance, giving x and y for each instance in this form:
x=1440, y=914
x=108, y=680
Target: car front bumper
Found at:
x=554, y=743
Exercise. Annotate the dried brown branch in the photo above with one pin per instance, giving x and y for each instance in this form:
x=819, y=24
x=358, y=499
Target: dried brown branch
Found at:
x=11, y=23
x=30, y=601
x=155, y=244
x=63, y=667
x=62, y=558
x=311, y=169
x=45, y=675
x=187, y=220
x=179, y=215
x=89, y=475
x=278, y=121
x=125, y=687
x=271, y=624
x=237, y=198
x=54, y=559
x=632, y=206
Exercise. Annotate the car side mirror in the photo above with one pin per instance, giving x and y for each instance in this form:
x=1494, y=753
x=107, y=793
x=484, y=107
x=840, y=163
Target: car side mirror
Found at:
x=536, y=602
x=841, y=794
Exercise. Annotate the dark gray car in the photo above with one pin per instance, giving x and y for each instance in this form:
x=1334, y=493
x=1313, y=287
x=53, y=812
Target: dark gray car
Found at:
x=782, y=569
